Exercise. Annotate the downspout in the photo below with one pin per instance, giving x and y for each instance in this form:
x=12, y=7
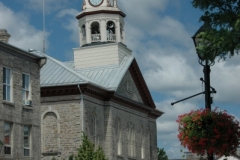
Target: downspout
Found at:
x=82, y=108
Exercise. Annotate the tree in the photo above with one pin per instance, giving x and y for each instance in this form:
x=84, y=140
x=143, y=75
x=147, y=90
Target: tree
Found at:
x=87, y=152
x=223, y=16
x=162, y=154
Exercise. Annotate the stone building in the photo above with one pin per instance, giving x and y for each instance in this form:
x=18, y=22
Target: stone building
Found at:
x=102, y=93
x=19, y=101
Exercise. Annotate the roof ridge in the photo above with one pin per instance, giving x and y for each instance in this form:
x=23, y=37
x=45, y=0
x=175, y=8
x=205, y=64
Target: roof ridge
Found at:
x=79, y=75
x=125, y=59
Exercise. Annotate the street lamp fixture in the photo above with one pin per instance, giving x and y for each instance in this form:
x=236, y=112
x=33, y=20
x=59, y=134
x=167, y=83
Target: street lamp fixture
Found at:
x=206, y=67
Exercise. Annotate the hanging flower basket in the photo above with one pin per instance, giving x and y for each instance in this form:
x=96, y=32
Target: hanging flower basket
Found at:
x=212, y=132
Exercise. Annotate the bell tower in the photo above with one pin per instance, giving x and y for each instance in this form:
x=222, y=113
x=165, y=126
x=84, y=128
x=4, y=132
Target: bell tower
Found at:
x=100, y=21
x=101, y=34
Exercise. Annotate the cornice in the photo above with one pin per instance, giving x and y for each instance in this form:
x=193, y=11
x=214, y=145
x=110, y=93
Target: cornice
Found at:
x=100, y=94
x=81, y=15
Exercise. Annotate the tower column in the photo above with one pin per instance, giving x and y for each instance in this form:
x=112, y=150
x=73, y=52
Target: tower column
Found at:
x=118, y=33
x=103, y=31
x=88, y=32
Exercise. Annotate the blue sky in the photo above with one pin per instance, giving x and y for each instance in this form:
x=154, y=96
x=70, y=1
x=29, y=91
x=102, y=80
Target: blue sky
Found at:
x=159, y=34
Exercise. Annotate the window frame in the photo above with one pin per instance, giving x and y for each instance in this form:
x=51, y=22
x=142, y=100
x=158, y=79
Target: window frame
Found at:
x=119, y=138
x=7, y=85
x=29, y=141
x=95, y=131
x=131, y=141
x=142, y=143
x=10, y=145
x=26, y=90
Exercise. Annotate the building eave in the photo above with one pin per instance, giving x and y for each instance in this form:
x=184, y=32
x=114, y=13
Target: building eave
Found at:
x=83, y=14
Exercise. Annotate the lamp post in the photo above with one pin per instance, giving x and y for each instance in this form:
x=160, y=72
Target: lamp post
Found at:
x=206, y=69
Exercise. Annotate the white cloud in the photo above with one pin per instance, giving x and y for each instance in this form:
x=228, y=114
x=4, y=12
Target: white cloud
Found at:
x=167, y=126
x=70, y=23
x=23, y=35
x=50, y=5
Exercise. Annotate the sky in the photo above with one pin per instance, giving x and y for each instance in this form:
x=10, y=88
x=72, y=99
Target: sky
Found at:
x=159, y=34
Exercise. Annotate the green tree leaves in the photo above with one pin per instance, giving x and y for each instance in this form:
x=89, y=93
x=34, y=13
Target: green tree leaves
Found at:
x=162, y=154
x=87, y=152
x=224, y=19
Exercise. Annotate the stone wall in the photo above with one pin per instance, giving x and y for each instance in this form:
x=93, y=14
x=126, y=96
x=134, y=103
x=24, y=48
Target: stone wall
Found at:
x=69, y=110
x=15, y=112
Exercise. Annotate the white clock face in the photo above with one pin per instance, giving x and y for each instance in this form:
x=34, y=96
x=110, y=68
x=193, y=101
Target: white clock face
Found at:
x=95, y=2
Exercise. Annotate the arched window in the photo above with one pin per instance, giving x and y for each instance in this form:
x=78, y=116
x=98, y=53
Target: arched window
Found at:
x=119, y=137
x=95, y=131
x=95, y=32
x=142, y=143
x=83, y=32
x=50, y=132
x=111, y=35
x=131, y=141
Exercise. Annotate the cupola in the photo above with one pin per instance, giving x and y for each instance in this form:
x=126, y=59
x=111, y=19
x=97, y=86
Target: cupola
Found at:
x=101, y=21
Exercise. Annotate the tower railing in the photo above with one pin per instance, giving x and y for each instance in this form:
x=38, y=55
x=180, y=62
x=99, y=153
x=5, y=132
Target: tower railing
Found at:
x=111, y=37
x=96, y=37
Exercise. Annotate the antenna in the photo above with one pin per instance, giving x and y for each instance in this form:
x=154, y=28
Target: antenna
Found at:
x=44, y=49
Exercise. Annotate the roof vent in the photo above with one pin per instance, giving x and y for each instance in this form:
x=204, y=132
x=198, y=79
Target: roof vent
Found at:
x=4, y=36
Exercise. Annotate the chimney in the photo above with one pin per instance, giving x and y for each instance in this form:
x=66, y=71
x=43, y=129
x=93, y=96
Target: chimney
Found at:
x=4, y=36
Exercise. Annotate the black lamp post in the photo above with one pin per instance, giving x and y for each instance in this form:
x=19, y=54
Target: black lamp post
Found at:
x=206, y=70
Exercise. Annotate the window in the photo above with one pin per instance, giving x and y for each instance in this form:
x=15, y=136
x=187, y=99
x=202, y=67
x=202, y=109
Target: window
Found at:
x=7, y=78
x=131, y=141
x=142, y=143
x=119, y=138
x=94, y=131
x=26, y=132
x=26, y=89
x=7, y=138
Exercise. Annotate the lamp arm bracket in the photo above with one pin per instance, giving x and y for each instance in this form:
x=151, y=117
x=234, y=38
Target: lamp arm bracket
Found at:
x=213, y=89
x=188, y=98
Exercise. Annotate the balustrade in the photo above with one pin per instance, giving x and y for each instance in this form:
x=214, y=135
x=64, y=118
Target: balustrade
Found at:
x=111, y=38
x=96, y=37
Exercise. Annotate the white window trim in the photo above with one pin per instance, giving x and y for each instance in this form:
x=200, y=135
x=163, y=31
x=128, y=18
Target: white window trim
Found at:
x=29, y=136
x=10, y=85
x=27, y=101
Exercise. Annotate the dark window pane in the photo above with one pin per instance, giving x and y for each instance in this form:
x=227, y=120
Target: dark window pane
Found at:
x=26, y=142
x=23, y=81
x=4, y=92
x=26, y=152
x=4, y=75
x=7, y=150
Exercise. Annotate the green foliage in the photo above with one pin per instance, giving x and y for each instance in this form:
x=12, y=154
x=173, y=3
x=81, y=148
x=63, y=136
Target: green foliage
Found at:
x=53, y=158
x=87, y=152
x=162, y=154
x=224, y=19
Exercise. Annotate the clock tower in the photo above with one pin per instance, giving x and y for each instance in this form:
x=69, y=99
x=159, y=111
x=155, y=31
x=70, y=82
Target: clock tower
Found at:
x=101, y=34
